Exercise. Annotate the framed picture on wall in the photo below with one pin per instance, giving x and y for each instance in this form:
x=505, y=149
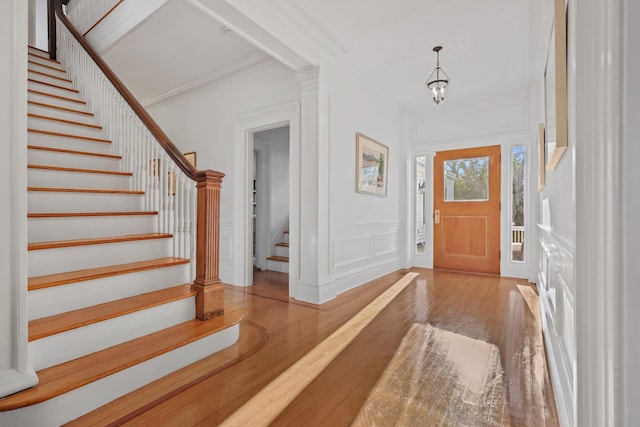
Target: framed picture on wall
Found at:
x=191, y=156
x=555, y=84
x=372, y=160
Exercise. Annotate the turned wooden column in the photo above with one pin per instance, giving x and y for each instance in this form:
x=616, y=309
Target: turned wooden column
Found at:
x=210, y=297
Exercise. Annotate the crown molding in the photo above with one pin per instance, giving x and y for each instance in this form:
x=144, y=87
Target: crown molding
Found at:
x=218, y=75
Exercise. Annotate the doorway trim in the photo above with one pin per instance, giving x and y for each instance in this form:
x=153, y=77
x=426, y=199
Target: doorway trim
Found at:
x=506, y=141
x=245, y=127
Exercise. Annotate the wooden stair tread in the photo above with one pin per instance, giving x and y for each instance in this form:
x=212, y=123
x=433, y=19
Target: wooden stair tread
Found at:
x=69, y=89
x=42, y=73
x=279, y=258
x=68, y=122
x=64, y=98
x=57, y=107
x=283, y=244
x=87, y=214
x=52, y=325
x=286, y=232
x=66, y=135
x=76, y=373
x=95, y=241
x=47, y=66
x=41, y=282
x=84, y=190
x=80, y=153
x=65, y=169
x=42, y=57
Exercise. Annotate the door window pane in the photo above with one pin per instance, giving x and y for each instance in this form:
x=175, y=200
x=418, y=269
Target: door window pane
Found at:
x=466, y=179
x=421, y=204
x=517, y=202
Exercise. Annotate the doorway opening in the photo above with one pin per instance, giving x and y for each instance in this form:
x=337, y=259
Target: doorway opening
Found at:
x=270, y=205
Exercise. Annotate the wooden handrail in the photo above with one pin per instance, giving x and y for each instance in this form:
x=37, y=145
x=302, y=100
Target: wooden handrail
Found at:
x=209, y=288
x=153, y=127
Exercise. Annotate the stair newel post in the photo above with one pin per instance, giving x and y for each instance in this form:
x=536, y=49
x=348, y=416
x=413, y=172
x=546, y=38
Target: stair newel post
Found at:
x=210, y=292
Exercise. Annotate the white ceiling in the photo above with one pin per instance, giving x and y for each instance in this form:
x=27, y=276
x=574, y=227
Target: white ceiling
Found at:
x=486, y=43
x=152, y=58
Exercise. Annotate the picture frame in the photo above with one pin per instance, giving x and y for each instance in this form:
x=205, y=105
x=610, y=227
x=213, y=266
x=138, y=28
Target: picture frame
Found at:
x=191, y=157
x=372, y=160
x=555, y=83
x=541, y=157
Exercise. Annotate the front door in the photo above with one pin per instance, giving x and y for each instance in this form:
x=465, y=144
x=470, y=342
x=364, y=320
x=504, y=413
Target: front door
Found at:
x=467, y=210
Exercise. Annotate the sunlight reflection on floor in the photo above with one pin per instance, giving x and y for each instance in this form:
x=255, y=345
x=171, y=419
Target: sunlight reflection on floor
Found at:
x=436, y=378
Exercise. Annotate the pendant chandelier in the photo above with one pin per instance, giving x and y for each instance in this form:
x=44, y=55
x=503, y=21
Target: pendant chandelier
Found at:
x=438, y=80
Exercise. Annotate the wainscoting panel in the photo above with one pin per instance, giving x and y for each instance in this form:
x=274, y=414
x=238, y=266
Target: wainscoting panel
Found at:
x=359, y=246
x=351, y=250
x=557, y=301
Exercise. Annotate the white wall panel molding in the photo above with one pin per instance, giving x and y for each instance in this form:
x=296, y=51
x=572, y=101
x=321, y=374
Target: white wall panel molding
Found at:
x=314, y=182
x=215, y=77
x=123, y=19
x=358, y=246
x=556, y=287
x=16, y=373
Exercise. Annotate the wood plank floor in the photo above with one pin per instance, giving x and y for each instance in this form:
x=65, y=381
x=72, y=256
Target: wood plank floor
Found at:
x=450, y=349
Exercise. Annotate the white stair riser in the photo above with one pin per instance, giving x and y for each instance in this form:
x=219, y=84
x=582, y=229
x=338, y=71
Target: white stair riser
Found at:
x=69, y=406
x=282, y=267
x=69, y=345
x=35, y=51
x=53, y=229
x=37, y=67
x=45, y=201
x=40, y=87
x=62, y=114
x=65, y=179
x=39, y=59
x=60, y=260
x=66, y=128
x=60, y=299
x=282, y=251
x=50, y=77
x=55, y=158
x=286, y=237
x=55, y=101
x=54, y=141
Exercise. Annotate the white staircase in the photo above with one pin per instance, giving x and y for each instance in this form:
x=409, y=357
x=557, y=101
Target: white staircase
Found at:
x=110, y=308
x=279, y=261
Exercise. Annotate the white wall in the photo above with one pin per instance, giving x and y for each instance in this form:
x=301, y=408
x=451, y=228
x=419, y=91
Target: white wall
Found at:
x=38, y=24
x=204, y=120
x=366, y=232
x=15, y=373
